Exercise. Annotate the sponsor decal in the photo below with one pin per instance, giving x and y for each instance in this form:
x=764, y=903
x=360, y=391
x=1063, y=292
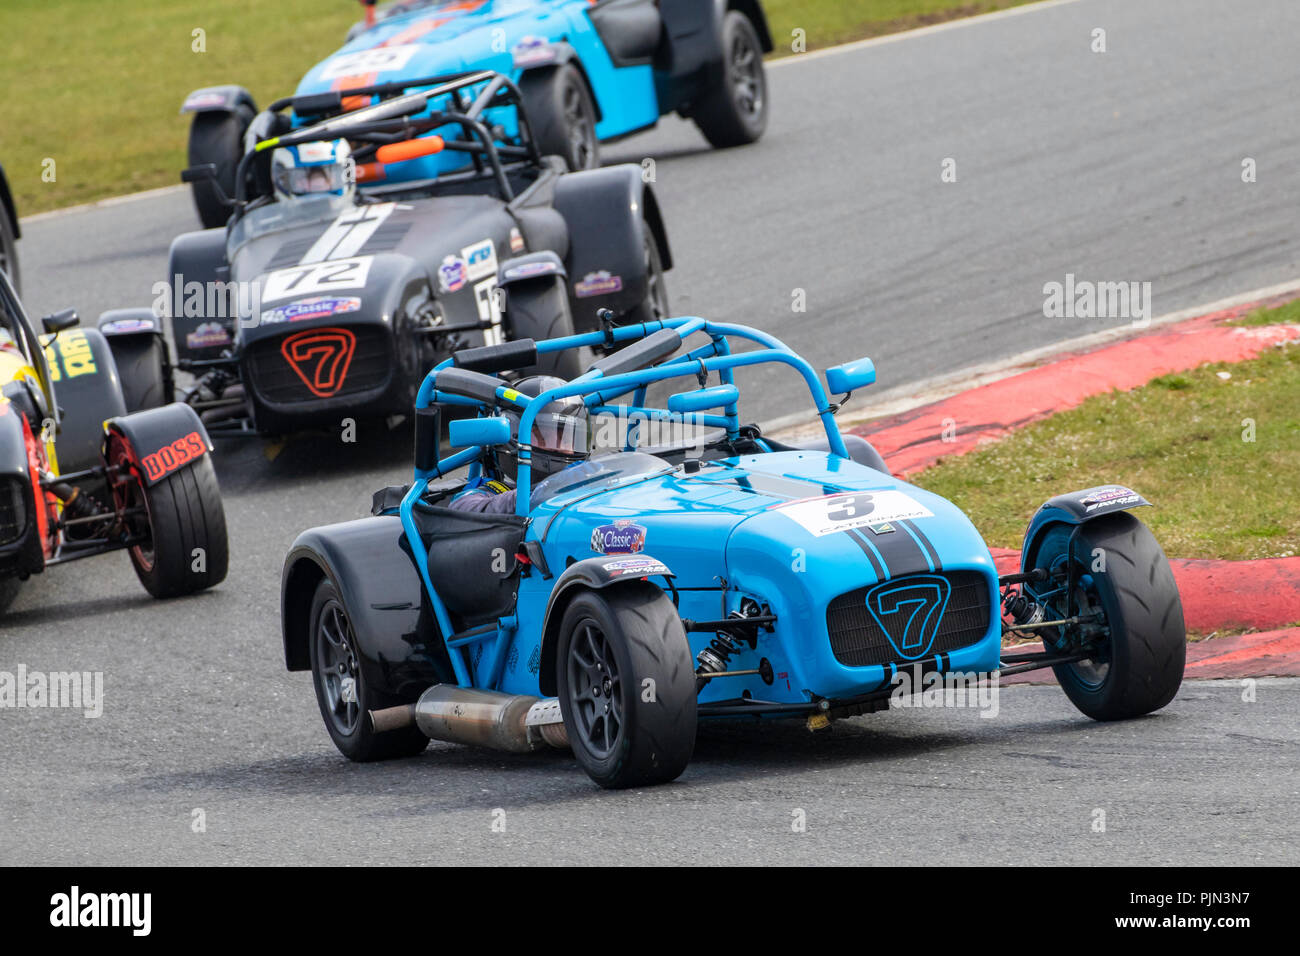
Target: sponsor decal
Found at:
x=383, y=59
x=533, y=51
x=624, y=536
x=328, y=276
x=317, y=307
x=480, y=259
x=516, y=240
x=528, y=269
x=598, y=283
x=1115, y=495
x=203, y=101
x=883, y=528
x=856, y=509
x=535, y=660
x=638, y=567
x=70, y=355
x=452, y=274
x=320, y=357
x=171, y=457
x=909, y=610
x=128, y=325
x=208, y=335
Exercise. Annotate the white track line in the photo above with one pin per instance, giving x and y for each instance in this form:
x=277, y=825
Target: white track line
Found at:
x=102, y=203
x=903, y=398
x=919, y=32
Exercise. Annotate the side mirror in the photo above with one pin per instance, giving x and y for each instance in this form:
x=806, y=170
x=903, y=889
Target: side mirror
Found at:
x=719, y=396
x=486, y=432
x=199, y=173
x=61, y=320
x=842, y=379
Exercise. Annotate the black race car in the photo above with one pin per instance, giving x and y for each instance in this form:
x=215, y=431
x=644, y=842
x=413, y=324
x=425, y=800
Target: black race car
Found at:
x=91, y=461
x=312, y=306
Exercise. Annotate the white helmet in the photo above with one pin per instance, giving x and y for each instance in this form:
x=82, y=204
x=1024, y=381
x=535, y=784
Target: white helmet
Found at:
x=313, y=169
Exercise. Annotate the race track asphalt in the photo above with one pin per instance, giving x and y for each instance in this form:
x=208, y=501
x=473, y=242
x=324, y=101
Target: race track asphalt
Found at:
x=1117, y=166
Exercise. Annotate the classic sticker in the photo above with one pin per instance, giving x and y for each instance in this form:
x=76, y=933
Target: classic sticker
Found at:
x=316, y=277
x=598, y=283
x=624, y=536
x=317, y=307
x=128, y=325
x=856, y=509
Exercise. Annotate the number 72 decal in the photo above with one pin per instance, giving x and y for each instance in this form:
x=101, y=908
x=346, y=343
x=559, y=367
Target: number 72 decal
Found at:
x=316, y=277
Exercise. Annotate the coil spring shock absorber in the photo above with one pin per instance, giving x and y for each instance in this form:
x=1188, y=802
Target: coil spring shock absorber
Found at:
x=714, y=658
x=1022, y=609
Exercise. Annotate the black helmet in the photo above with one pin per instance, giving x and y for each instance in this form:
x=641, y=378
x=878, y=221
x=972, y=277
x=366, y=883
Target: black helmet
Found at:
x=560, y=436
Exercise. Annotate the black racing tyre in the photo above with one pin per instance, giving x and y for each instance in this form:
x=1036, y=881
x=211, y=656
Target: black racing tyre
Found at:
x=562, y=115
x=655, y=305
x=344, y=697
x=627, y=686
x=218, y=138
x=545, y=315
x=735, y=112
x=184, y=522
x=8, y=591
x=1139, y=664
x=141, y=369
x=8, y=250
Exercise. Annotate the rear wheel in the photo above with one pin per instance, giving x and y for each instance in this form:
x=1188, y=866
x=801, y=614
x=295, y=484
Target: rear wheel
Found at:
x=1125, y=583
x=181, y=523
x=627, y=686
x=217, y=138
x=344, y=697
x=562, y=115
x=141, y=369
x=735, y=112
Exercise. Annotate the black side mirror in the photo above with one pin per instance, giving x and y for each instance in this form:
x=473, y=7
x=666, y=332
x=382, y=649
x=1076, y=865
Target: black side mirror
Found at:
x=199, y=173
x=61, y=320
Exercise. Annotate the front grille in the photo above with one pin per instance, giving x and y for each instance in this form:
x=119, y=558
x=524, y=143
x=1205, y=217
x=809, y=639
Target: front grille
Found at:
x=13, y=511
x=276, y=382
x=858, y=638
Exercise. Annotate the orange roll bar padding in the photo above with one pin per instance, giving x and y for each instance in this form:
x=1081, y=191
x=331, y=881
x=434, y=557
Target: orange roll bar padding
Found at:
x=409, y=149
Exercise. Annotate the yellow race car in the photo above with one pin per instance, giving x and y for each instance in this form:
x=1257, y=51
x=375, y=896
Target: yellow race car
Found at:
x=81, y=473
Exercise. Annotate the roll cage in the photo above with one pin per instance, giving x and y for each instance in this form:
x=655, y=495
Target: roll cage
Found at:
x=404, y=112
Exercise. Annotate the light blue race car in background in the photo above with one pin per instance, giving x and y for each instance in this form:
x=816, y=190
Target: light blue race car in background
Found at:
x=590, y=71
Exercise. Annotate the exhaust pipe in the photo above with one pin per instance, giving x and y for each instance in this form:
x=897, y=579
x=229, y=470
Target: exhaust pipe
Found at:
x=482, y=718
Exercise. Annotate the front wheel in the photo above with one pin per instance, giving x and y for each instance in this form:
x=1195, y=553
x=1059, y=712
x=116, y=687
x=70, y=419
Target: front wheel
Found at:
x=655, y=304
x=344, y=697
x=178, y=524
x=562, y=115
x=217, y=138
x=627, y=686
x=1125, y=586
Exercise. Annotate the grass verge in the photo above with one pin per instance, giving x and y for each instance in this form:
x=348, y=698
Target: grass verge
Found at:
x=95, y=86
x=1216, y=450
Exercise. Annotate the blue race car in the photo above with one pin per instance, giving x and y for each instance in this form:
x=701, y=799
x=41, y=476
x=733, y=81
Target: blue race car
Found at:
x=625, y=596
x=589, y=70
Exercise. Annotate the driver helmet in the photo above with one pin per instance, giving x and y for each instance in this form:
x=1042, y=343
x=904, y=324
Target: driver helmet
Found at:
x=560, y=436
x=311, y=169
